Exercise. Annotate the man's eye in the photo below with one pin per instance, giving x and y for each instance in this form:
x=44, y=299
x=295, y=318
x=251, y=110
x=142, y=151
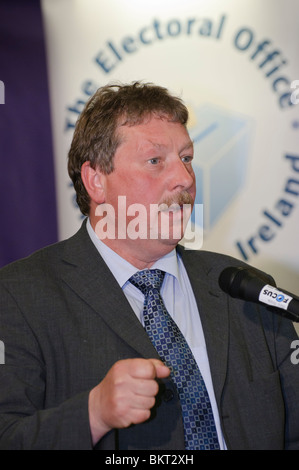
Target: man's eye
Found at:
x=154, y=161
x=187, y=159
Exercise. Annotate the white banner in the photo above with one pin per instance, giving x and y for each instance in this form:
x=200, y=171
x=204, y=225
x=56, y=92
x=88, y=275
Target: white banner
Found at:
x=235, y=64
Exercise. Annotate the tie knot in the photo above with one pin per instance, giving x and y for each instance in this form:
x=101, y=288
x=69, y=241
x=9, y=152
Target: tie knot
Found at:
x=148, y=279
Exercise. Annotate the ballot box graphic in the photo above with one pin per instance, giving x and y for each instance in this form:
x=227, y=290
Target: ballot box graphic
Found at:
x=221, y=147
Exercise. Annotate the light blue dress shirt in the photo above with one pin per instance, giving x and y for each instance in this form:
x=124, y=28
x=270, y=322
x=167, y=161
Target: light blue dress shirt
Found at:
x=179, y=301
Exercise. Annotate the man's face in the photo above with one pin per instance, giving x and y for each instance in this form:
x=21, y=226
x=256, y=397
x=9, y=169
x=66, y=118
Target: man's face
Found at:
x=152, y=167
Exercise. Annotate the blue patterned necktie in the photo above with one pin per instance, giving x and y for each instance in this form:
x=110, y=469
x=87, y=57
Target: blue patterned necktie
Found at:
x=199, y=425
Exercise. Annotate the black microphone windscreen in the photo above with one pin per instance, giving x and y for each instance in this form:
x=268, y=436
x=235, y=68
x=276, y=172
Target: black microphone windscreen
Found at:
x=228, y=279
x=243, y=282
x=253, y=285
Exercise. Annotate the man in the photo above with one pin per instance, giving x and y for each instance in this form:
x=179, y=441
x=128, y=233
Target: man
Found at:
x=80, y=370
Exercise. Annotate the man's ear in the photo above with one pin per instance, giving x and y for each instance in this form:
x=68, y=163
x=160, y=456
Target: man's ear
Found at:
x=92, y=180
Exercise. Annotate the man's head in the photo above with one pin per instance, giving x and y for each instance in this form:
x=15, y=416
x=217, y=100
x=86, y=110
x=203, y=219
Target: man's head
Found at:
x=131, y=165
x=97, y=137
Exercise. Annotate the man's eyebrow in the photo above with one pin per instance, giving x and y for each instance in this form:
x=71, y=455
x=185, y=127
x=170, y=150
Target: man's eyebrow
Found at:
x=188, y=145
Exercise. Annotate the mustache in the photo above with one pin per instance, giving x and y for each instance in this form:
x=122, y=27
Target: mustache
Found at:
x=179, y=199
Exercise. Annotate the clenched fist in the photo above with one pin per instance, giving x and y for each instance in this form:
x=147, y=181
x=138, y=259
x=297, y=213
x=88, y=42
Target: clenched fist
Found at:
x=125, y=396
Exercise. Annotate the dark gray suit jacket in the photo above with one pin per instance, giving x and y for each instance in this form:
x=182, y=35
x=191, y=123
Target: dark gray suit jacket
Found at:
x=65, y=321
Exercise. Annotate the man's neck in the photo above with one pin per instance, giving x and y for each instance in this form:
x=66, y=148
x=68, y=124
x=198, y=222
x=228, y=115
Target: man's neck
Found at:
x=141, y=253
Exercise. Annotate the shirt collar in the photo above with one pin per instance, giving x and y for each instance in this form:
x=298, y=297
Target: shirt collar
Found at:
x=122, y=269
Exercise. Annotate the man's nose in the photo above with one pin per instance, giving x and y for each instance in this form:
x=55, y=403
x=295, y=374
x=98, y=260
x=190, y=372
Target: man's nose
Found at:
x=182, y=175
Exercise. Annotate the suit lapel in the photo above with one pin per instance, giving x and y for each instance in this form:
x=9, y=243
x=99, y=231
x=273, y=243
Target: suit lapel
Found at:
x=87, y=274
x=212, y=306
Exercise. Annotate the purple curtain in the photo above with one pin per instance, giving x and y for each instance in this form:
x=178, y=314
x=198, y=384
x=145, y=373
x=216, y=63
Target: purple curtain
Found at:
x=27, y=185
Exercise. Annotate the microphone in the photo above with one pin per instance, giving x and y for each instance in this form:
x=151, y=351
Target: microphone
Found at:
x=255, y=286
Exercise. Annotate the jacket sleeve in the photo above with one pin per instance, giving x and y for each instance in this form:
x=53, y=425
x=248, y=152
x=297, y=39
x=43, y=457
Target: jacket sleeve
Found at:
x=24, y=421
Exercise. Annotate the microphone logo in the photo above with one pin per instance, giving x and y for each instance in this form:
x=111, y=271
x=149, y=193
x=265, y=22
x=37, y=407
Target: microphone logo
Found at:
x=272, y=296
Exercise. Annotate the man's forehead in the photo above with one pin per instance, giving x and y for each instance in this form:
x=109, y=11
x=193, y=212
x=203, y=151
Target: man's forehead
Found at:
x=152, y=134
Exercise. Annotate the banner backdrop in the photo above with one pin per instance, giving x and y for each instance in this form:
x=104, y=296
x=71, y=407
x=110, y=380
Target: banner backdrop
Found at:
x=235, y=64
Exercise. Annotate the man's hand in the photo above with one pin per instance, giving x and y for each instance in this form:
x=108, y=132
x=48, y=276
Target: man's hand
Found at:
x=125, y=396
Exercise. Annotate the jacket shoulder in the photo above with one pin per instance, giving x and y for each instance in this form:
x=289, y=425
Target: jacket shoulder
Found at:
x=209, y=260
x=43, y=260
